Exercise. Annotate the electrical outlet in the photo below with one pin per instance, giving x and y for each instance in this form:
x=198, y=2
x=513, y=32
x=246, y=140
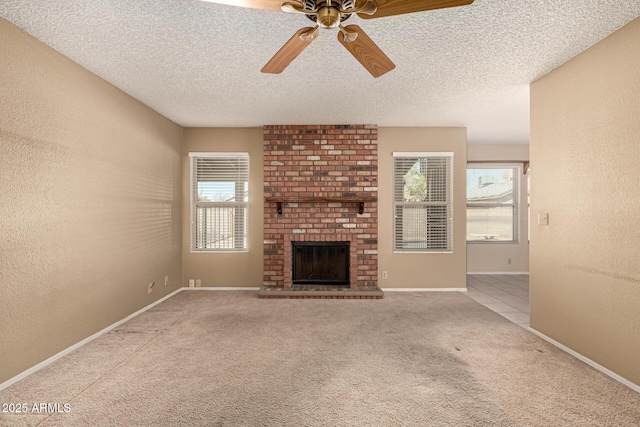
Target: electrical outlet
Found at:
x=150, y=287
x=166, y=280
x=198, y=283
x=384, y=274
x=509, y=261
x=192, y=283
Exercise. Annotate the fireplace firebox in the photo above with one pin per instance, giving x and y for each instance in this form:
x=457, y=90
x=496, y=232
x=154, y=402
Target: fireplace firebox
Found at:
x=320, y=263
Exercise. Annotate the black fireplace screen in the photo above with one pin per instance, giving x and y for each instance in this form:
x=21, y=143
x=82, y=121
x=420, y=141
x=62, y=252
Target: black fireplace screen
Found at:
x=320, y=263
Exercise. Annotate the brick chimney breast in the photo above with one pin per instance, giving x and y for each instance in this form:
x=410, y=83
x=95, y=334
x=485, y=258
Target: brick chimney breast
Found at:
x=321, y=173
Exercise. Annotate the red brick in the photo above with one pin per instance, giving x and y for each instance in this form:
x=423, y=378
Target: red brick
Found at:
x=288, y=171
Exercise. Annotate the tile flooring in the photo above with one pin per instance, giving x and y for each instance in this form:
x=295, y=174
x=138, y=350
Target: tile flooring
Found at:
x=507, y=295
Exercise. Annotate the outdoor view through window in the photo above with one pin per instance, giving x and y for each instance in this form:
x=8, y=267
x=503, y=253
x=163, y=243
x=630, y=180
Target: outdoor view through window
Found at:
x=491, y=204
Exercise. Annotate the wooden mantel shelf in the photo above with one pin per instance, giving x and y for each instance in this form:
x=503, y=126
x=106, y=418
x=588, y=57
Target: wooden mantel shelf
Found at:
x=321, y=199
x=359, y=200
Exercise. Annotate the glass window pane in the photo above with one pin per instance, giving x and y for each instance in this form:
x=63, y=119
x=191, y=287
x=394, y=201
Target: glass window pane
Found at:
x=216, y=191
x=490, y=186
x=421, y=227
x=415, y=184
x=221, y=227
x=425, y=180
x=489, y=223
x=491, y=204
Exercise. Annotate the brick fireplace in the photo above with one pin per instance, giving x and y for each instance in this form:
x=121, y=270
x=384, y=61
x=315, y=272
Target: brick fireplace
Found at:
x=321, y=185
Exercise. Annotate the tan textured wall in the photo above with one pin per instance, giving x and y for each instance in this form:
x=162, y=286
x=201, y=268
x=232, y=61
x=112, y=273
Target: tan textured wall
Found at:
x=90, y=203
x=585, y=148
x=407, y=270
x=225, y=269
x=490, y=257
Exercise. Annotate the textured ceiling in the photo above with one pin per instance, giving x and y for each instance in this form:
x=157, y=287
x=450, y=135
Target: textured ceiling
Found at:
x=199, y=63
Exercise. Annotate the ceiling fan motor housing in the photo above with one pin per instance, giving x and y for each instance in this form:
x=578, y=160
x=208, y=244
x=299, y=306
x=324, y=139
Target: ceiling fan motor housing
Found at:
x=328, y=13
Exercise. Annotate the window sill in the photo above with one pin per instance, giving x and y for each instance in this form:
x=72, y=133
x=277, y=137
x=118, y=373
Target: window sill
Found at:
x=492, y=242
x=423, y=252
x=220, y=252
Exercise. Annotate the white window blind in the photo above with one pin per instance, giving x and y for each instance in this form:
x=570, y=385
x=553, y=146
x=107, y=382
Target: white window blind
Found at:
x=423, y=200
x=220, y=201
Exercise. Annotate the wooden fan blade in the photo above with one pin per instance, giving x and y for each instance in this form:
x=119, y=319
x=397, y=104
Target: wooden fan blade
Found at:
x=289, y=52
x=367, y=52
x=400, y=7
x=256, y=4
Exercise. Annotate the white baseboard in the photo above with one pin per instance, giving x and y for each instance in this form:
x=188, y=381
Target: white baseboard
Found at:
x=424, y=289
x=81, y=343
x=588, y=361
x=499, y=273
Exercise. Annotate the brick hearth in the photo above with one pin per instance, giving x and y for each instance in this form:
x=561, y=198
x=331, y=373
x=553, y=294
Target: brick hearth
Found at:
x=337, y=163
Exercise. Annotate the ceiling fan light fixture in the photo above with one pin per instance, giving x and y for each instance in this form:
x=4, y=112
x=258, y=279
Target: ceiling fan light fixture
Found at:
x=328, y=17
x=328, y=14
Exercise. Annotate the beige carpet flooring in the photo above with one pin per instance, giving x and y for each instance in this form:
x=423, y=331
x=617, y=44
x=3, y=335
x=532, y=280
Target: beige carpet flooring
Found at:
x=411, y=359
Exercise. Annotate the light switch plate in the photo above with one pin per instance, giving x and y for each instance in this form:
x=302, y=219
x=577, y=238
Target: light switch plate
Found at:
x=543, y=218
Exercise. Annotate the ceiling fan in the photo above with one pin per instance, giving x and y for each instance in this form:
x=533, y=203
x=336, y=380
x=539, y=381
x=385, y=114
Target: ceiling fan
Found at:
x=330, y=14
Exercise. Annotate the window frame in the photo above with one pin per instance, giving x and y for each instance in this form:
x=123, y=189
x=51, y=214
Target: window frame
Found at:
x=517, y=172
x=193, y=203
x=449, y=202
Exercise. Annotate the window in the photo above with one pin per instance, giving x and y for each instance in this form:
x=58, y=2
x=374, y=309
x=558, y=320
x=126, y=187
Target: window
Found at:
x=423, y=197
x=219, y=201
x=492, y=209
